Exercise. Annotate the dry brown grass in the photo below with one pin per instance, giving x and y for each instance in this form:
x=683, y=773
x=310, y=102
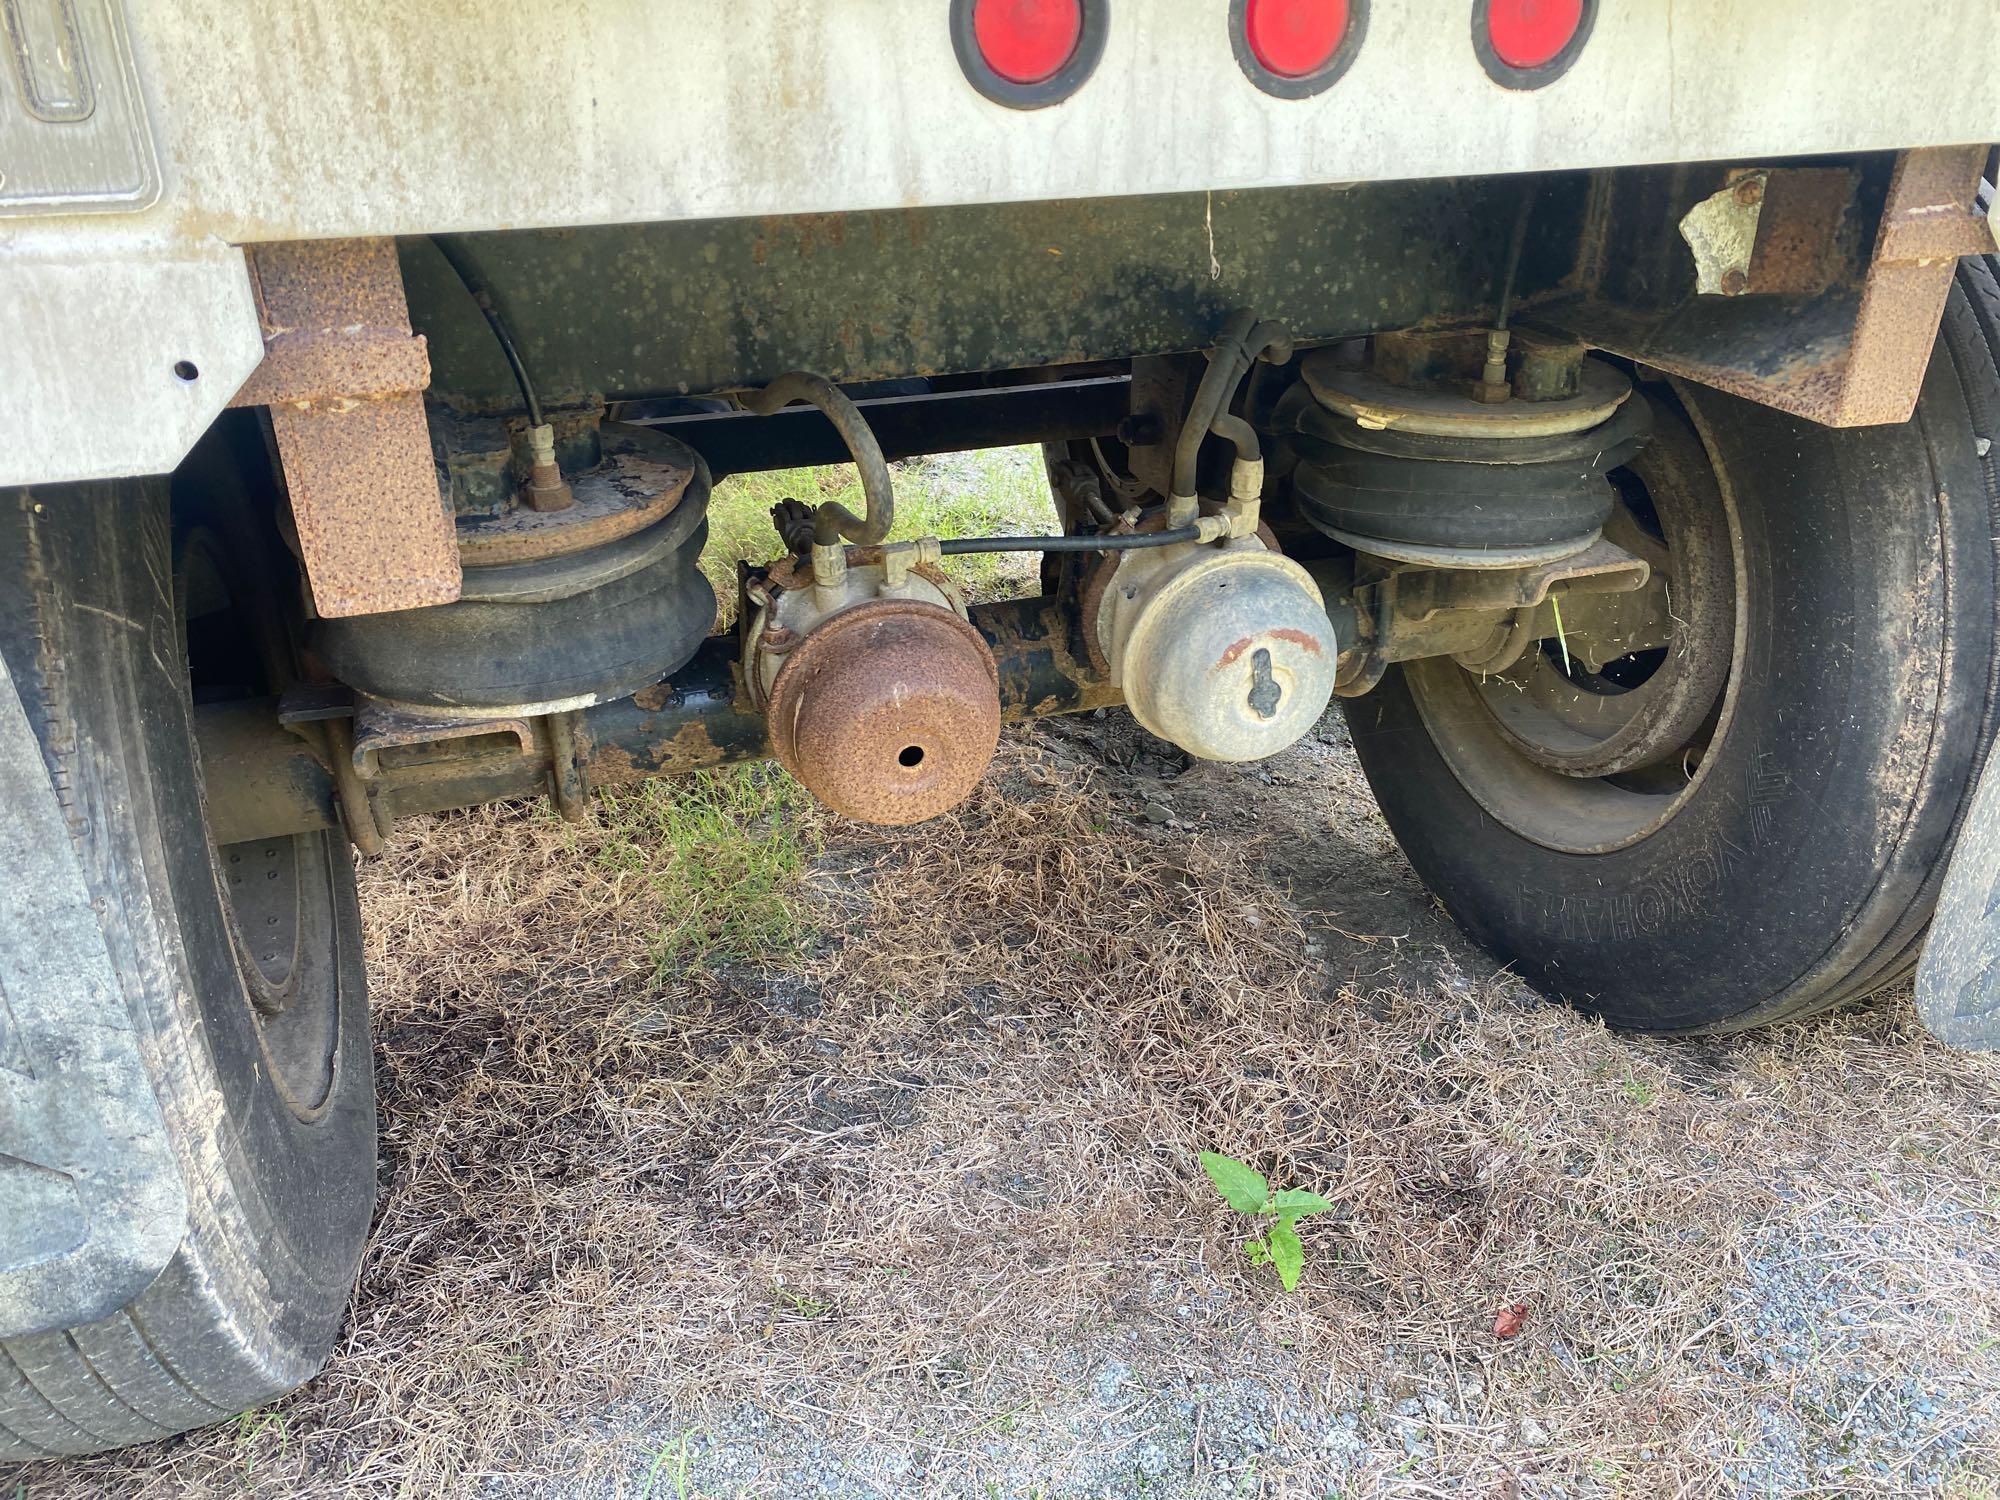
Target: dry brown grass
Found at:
x=902, y=1184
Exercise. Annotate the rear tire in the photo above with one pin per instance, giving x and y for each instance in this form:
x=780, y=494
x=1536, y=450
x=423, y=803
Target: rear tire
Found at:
x=242, y=967
x=1799, y=863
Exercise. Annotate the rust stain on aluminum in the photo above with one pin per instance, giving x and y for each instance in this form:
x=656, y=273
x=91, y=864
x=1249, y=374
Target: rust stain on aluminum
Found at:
x=344, y=377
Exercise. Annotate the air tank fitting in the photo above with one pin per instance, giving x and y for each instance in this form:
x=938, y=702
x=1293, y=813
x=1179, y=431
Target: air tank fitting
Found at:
x=882, y=698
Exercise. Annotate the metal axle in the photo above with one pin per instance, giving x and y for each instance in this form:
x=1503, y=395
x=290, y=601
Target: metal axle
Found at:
x=273, y=767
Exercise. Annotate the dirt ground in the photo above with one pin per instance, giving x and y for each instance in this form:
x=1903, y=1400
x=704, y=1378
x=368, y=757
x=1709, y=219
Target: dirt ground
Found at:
x=902, y=1198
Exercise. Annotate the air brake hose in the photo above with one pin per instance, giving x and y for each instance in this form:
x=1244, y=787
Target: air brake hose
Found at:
x=832, y=521
x=1130, y=542
x=1210, y=396
x=1243, y=341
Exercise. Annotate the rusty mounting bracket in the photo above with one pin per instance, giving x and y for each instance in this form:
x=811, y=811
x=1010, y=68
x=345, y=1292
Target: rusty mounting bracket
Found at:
x=1799, y=294
x=344, y=378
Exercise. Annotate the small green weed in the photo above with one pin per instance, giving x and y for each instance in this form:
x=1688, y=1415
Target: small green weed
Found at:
x=1244, y=1189
x=724, y=850
x=678, y=1474
x=253, y=1432
x=800, y=1304
x=1640, y=1091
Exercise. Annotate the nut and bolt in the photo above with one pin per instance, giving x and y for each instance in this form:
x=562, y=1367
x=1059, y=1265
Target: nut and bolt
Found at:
x=1492, y=387
x=545, y=489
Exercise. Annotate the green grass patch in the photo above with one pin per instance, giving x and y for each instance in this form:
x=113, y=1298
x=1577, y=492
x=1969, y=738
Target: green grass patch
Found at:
x=995, y=491
x=725, y=852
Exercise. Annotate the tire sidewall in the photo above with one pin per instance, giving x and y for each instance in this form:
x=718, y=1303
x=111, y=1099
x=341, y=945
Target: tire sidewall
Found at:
x=278, y=1206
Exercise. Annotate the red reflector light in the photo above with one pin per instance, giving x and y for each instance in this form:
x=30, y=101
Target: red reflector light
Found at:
x=1027, y=41
x=1530, y=33
x=1294, y=37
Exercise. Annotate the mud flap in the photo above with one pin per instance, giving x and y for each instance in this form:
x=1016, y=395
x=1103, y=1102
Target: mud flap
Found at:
x=1958, y=982
x=92, y=1205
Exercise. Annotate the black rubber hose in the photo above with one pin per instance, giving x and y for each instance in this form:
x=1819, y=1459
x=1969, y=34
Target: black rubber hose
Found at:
x=832, y=520
x=1270, y=341
x=1516, y=242
x=1242, y=342
x=1226, y=364
x=468, y=272
x=1129, y=543
x=1234, y=430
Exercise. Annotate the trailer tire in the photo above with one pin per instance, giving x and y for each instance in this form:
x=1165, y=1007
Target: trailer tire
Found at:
x=1799, y=868
x=255, y=1043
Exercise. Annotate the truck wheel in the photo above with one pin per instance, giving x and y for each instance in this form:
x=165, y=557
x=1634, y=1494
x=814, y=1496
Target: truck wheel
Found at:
x=241, y=966
x=1779, y=847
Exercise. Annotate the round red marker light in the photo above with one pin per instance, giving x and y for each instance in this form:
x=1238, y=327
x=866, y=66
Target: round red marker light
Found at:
x=1294, y=38
x=1531, y=33
x=1027, y=41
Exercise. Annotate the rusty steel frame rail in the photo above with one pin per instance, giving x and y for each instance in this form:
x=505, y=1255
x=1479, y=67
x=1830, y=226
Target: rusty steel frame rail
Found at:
x=264, y=780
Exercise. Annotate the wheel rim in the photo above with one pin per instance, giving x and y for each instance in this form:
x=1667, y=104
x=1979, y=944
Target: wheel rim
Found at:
x=278, y=894
x=1583, y=755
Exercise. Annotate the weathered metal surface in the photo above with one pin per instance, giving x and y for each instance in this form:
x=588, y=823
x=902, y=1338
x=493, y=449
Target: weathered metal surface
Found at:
x=1835, y=315
x=1419, y=594
x=351, y=793
x=888, y=711
x=1377, y=405
x=1226, y=652
x=1806, y=222
x=698, y=718
x=344, y=377
x=569, y=782
x=382, y=727
x=634, y=310
x=262, y=778
x=1487, y=619
x=92, y=1205
x=787, y=601
x=634, y=483
x=462, y=117
x=116, y=354
x=74, y=133
x=1721, y=233
x=1929, y=222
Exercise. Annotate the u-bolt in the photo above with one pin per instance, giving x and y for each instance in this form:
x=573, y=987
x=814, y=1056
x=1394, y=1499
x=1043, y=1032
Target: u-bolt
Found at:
x=833, y=521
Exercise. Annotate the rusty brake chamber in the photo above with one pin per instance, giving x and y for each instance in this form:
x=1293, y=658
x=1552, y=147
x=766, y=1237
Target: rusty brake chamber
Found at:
x=882, y=698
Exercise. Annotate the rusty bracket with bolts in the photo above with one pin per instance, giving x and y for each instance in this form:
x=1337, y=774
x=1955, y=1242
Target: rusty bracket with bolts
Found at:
x=344, y=378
